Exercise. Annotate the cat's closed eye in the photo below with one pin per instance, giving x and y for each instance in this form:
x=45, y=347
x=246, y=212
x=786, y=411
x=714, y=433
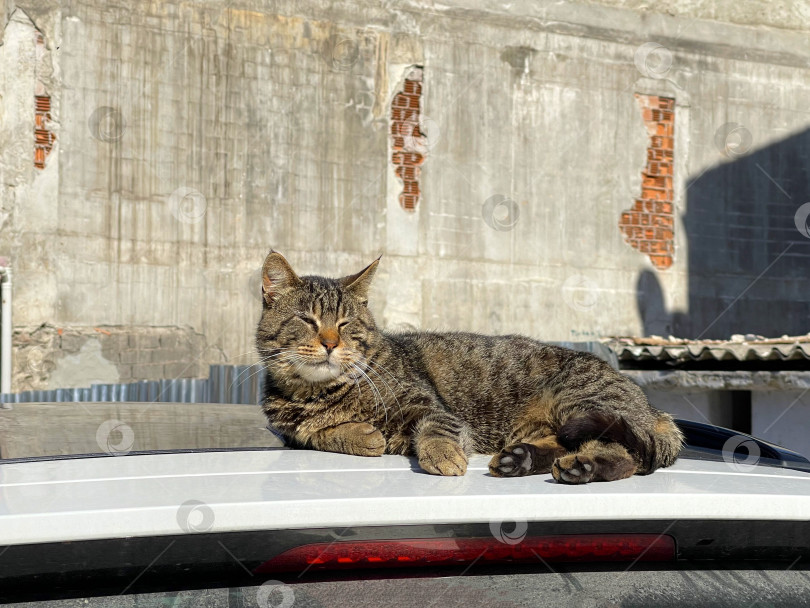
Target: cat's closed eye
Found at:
x=309, y=320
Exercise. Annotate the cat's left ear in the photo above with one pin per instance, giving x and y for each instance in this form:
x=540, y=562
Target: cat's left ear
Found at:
x=358, y=284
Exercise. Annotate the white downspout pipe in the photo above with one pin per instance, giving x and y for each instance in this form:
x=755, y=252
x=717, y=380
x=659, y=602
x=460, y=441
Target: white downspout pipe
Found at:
x=5, y=328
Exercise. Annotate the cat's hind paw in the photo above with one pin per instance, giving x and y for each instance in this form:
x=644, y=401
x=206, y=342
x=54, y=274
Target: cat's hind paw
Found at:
x=513, y=461
x=573, y=469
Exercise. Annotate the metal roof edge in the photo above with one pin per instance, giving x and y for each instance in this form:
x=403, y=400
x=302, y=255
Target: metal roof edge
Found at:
x=738, y=348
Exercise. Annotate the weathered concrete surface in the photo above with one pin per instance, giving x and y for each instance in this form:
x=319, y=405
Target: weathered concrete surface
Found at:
x=86, y=367
x=781, y=14
x=190, y=138
x=48, y=357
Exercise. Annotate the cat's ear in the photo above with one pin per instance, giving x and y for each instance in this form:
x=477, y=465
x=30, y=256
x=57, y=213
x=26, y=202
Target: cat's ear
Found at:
x=277, y=276
x=358, y=284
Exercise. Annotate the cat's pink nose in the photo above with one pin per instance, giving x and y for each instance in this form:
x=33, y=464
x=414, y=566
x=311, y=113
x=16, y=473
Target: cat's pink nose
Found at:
x=329, y=343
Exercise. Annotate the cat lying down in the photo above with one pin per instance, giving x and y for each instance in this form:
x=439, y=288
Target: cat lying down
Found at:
x=337, y=383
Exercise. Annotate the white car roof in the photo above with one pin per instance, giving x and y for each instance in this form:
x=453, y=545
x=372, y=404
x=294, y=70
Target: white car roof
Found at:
x=171, y=494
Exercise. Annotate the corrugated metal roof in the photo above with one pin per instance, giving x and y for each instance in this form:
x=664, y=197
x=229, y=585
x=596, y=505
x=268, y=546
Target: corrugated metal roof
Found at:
x=738, y=348
x=225, y=384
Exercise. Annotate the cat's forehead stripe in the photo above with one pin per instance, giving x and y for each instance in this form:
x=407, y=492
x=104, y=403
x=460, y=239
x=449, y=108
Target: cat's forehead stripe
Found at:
x=327, y=295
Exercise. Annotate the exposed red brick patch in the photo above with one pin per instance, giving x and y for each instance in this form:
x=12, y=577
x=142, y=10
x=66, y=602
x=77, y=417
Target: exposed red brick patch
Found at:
x=43, y=138
x=648, y=226
x=407, y=139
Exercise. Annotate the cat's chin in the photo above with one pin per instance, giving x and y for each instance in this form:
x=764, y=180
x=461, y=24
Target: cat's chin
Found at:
x=321, y=372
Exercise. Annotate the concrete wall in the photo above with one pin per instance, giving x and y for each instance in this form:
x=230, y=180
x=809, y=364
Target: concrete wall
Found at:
x=783, y=15
x=48, y=357
x=782, y=418
x=708, y=407
x=192, y=137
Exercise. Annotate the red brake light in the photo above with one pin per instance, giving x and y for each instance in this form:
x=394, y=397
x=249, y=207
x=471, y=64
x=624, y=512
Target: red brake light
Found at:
x=418, y=552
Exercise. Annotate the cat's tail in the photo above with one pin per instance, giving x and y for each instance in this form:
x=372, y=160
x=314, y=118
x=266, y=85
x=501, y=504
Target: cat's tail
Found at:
x=652, y=448
x=667, y=440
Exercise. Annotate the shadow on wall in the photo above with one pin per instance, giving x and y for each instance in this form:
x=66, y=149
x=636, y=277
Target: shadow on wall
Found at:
x=748, y=240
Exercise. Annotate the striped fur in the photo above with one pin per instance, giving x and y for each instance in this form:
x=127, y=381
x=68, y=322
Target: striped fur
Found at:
x=337, y=383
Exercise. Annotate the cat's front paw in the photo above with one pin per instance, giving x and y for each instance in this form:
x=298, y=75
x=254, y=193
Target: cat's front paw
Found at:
x=442, y=457
x=361, y=439
x=573, y=469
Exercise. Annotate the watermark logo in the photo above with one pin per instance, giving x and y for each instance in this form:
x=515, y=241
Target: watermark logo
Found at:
x=422, y=139
x=733, y=140
x=741, y=462
x=187, y=205
x=580, y=293
x=107, y=124
x=500, y=212
x=195, y=516
x=802, y=219
x=36, y=359
x=509, y=532
x=115, y=437
x=275, y=594
x=653, y=60
x=340, y=53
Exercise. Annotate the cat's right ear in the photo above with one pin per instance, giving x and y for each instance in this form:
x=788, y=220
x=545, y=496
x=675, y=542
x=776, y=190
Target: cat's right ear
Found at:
x=277, y=277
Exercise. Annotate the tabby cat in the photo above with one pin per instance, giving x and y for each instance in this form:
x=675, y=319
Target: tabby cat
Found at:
x=337, y=383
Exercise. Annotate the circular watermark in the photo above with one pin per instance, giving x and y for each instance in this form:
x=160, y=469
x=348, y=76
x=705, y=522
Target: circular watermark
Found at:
x=500, y=212
x=580, y=293
x=195, y=516
x=340, y=53
x=653, y=60
x=741, y=462
x=733, y=140
x=107, y=124
x=275, y=594
x=188, y=205
x=36, y=359
x=802, y=219
x=362, y=103
x=420, y=135
x=509, y=532
x=115, y=437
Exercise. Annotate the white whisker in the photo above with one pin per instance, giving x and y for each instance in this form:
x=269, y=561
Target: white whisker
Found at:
x=386, y=386
x=375, y=390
